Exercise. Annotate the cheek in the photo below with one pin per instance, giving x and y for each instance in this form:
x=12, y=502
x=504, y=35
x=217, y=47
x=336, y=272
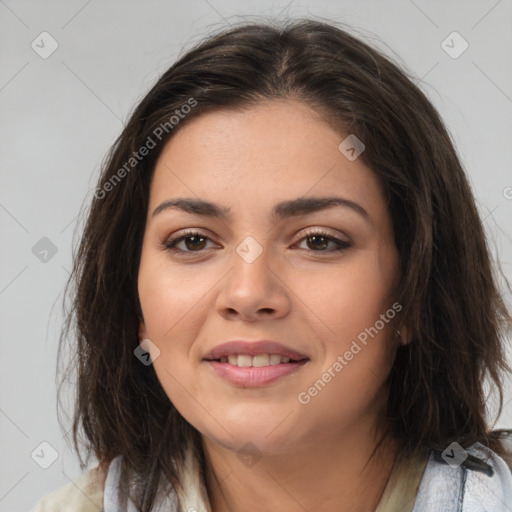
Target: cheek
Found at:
x=349, y=298
x=171, y=301
x=174, y=305
x=350, y=380
x=355, y=309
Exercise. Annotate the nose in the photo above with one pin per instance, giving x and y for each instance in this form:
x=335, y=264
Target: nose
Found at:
x=254, y=288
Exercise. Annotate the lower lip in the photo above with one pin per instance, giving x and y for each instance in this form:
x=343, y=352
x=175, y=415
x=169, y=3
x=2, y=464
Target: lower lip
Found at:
x=251, y=377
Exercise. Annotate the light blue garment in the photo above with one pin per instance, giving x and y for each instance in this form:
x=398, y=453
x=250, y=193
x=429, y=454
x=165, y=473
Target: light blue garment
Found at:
x=444, y=488
x=469, y=487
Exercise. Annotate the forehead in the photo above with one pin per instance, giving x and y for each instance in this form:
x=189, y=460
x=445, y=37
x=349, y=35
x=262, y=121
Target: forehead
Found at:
x=268, y=152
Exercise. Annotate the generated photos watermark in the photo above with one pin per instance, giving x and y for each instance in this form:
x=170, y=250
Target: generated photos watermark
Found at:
x=158, y=133
x=304, y=397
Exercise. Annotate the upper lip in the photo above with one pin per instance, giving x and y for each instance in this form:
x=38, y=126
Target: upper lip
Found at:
x=253, y=348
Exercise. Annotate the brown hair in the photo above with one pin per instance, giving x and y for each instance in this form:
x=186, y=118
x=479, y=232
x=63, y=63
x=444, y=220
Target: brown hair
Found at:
x=451, y=303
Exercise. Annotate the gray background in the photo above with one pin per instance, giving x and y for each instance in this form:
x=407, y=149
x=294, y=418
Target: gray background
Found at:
x=59, y=115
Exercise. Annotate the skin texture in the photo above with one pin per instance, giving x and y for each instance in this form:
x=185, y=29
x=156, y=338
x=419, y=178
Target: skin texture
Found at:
x=297, y=292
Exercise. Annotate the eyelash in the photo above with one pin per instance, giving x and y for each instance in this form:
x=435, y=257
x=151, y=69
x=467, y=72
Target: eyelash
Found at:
x=170, y=244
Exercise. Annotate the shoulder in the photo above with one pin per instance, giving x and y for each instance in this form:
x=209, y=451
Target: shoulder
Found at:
x=84, y=494
x=468, y=480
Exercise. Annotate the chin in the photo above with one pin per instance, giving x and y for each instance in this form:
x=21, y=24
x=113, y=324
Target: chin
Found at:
x=258, y=433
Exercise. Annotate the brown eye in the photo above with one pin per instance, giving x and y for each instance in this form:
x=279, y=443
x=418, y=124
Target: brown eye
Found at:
x=193, y=242
x=319, y=241
x=196, y=242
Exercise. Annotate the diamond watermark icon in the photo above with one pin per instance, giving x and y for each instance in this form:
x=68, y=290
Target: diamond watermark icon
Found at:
x=249, y=454
x=44, y=455
x=249, y=249
x=147, y=352
x=455, y=455
x=454, y=45
x=44, y=249
x=351, y=147
x=44, y=45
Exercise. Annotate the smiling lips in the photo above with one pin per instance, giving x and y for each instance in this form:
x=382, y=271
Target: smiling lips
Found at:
x=253, y=364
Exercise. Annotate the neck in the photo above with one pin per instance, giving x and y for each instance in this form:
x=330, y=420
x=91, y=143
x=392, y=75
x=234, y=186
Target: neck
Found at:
x=330, y=473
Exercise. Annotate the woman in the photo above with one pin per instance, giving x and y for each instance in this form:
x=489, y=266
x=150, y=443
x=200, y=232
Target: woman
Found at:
x=284, y=298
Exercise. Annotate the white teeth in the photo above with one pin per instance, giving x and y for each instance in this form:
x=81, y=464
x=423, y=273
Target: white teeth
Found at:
x=261, y=360
x=275, y=359
x=258, y=361
x=244, y=361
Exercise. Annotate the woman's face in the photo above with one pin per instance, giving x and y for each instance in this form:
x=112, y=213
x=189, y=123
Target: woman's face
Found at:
x=263, y=272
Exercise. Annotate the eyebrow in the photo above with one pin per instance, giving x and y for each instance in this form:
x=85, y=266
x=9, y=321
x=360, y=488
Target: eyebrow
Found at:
x=283, y=210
